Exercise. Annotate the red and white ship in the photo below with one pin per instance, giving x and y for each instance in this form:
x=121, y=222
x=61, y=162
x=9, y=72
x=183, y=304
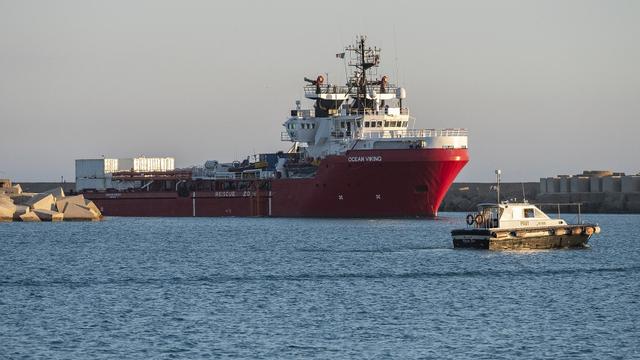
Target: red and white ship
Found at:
x=353, y=155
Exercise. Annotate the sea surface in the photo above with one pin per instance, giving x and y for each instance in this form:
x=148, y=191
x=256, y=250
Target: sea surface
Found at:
x=166, y=288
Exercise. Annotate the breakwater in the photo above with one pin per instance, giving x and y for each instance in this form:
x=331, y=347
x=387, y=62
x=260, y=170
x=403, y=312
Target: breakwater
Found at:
x=465, y=196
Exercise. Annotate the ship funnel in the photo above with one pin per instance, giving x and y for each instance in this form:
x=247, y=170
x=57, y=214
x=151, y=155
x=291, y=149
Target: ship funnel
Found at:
x=401, y=93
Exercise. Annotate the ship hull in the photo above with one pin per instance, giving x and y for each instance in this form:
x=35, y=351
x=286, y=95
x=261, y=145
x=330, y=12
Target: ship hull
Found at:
x=362, y=183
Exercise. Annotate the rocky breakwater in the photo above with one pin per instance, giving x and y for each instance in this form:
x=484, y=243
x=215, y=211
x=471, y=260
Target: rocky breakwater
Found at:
x=51, y=205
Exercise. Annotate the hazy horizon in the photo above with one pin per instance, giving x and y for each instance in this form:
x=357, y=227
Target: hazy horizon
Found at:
x=544, y=87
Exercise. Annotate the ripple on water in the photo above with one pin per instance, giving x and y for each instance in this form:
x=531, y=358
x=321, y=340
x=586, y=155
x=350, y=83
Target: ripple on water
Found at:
x=305, y=288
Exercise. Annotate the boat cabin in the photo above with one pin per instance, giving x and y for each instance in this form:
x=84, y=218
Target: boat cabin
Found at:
x=511, y=216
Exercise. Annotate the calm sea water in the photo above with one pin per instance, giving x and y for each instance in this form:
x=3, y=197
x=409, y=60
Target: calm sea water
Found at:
x=141, y=288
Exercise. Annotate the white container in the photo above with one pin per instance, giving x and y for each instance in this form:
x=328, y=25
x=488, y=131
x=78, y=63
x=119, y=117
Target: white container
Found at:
x=95, y=168
x=110, y=166
x=90, y=168
x=146, y=164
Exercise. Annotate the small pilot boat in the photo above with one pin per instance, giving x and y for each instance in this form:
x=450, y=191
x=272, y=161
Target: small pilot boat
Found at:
x=515, y=226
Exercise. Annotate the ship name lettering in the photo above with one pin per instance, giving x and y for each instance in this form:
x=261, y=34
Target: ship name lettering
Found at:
x=225, y=193
x=364, y=158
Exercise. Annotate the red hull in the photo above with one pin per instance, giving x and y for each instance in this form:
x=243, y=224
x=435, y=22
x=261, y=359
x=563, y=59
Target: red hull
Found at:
x=363, y=183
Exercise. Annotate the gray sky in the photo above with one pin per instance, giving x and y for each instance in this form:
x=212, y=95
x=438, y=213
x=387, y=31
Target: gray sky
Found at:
x=544, y=87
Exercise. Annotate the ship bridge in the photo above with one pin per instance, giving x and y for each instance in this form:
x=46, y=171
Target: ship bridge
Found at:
x=366, y=113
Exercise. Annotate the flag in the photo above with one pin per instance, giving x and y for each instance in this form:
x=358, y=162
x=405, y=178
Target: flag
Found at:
x=340, y=56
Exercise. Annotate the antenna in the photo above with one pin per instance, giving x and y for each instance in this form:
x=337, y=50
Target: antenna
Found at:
x=524, y=198
x=395, y=50
x=498, y=172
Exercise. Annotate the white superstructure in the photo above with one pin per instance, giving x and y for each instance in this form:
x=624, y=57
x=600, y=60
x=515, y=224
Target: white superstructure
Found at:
x=367, y=113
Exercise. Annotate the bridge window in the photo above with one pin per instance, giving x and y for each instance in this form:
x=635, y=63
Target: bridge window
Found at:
x=358, y=123
x=404, y=124
x=379, y=124
x=529, y=213
x=387, y=124
x=313, y=126
x=366, y=124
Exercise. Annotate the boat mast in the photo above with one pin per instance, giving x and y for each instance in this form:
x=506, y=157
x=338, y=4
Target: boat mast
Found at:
x=498, y=172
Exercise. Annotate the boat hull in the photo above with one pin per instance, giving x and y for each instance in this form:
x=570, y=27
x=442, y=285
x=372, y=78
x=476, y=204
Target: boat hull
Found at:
x=487, y=240
x=361, y=183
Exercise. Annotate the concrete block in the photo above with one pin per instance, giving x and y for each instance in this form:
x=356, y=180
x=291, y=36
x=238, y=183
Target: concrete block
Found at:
x=4, y=199
x=41, y=202
x=20, y=210
x=58, y=193
x=23, y=198
x=48, y=215
x=61, y=203
x=6, y=211
x=93, y=207
x=79, y=212
x=30, y=217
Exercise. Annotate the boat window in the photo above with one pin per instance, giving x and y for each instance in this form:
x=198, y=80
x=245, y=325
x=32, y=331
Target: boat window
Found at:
x=358, y=124
x=366, y=124
x=404, y=124
x=342, y=125
x=529, y=213
x=379, y=124
x=386, y=124
x=313, y=126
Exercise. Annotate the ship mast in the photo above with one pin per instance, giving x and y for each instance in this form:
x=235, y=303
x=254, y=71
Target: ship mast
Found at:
x=363, y=59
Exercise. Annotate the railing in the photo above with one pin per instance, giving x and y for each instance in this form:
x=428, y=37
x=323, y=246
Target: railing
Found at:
x=152, y=175
x=341, y=89
x=389, y=134
x=411, y=133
